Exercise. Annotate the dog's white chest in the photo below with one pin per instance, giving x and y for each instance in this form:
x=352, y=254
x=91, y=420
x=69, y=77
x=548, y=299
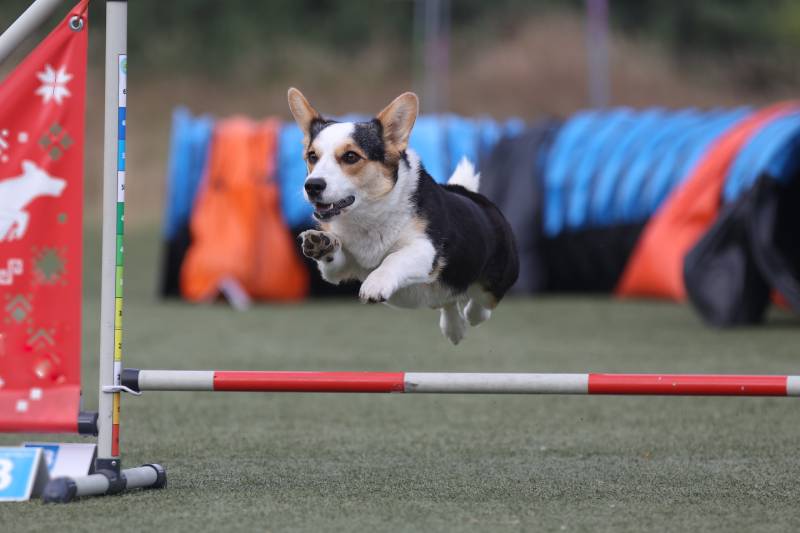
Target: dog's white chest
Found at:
x=368, y=255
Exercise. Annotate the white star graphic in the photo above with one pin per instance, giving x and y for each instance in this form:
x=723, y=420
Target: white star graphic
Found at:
x=54, y=84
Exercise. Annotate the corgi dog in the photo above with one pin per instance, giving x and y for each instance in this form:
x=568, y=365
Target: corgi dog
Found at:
x=385, y=222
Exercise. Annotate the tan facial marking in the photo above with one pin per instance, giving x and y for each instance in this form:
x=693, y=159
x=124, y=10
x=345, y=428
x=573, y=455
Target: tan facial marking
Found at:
x=350, y=147
x=372, y=177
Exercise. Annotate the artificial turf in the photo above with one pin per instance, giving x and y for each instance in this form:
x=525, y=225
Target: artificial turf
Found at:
x=259, y=462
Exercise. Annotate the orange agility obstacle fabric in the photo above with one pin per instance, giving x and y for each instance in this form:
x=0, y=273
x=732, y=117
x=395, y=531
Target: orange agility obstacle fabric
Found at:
x=237, y=231
x=655, y=268
x=41, y=193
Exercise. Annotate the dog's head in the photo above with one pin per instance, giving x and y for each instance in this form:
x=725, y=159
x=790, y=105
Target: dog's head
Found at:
x=41, y=181
x=352, y=163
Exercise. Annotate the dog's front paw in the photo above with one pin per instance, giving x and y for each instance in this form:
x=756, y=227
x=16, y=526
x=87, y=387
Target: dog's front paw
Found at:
x=319, y=245
x=378, y=287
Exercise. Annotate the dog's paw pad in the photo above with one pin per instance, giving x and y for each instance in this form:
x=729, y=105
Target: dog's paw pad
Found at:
x=318, y=245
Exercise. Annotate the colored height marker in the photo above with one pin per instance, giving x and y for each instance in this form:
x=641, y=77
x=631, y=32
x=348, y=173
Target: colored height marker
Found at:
x=120, y=255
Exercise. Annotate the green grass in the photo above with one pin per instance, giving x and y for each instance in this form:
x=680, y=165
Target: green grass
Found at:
x=245, y=462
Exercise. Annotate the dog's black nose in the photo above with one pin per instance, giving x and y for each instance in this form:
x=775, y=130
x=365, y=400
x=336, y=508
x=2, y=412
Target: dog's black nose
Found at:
x=315, y=186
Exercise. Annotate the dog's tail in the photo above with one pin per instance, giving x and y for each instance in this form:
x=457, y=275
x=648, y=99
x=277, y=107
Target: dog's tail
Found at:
x=465, y=175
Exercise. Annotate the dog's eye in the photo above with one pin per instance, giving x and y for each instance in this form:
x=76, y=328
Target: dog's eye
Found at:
x=312, y=158
x=350, y=158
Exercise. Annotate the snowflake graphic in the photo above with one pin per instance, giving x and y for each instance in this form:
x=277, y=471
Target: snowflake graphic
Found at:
x=54, y=84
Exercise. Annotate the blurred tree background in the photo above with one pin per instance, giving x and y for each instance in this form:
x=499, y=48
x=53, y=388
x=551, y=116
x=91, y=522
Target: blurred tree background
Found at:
x=211, y=37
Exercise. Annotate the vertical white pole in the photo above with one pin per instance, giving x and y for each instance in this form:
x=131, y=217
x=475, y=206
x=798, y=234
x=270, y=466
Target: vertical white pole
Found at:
x=434, y=17
x=113, y=212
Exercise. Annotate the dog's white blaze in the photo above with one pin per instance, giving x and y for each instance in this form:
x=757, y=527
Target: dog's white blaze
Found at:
x=329, y=140
x=373, y=229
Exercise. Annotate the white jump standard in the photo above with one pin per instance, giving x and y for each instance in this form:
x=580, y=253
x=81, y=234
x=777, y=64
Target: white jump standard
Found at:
x=465, y=383
x=110, y=478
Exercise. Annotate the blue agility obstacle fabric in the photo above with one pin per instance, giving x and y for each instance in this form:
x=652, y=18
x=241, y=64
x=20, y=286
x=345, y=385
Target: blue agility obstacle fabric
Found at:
x=429, y=140
x=617, y=166
x=188, y=154
x=291, y=173
x=682, y=150
x=189, y=144
x=772, y=151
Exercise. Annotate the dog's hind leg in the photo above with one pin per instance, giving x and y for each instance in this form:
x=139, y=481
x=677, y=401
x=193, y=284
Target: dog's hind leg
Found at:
x=475, y=313
x=480, y=305
x=451, y=323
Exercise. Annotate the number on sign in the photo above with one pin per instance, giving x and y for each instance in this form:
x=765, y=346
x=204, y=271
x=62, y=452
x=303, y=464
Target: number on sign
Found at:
x=5, y=473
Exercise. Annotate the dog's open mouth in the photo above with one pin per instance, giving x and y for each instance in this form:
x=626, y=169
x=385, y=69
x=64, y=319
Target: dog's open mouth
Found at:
x=327, y=211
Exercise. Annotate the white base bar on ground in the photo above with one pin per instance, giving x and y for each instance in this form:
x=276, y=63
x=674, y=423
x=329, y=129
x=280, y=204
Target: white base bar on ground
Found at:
x=97, y=484
x=91, y=485
x=66, y=489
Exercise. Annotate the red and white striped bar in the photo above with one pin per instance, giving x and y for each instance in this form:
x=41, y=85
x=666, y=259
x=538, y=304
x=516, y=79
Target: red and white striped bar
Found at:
x=468, y=383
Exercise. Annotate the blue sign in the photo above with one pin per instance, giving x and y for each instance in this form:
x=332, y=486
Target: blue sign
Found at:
x=50, y=452
x=66, y=459
x=22, y=473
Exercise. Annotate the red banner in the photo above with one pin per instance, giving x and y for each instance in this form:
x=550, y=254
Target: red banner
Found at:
x=42, y=105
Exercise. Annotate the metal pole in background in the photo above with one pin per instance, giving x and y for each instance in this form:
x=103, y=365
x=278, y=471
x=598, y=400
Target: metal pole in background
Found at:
x=597, y=52
x=113, y=212
x=21, y=28
x=432, y=22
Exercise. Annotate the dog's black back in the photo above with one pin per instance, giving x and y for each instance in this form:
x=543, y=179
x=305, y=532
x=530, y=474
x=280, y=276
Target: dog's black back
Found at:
x=470, y=234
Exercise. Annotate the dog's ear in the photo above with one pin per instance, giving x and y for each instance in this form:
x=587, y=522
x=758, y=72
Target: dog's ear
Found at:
x=397, y=119
x=303, y=113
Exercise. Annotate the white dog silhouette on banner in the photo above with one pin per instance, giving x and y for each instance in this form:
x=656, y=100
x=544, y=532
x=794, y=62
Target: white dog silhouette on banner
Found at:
x=18, y=192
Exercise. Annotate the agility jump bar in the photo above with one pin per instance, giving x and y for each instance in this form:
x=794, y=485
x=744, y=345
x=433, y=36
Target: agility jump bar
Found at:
x=461, y=383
